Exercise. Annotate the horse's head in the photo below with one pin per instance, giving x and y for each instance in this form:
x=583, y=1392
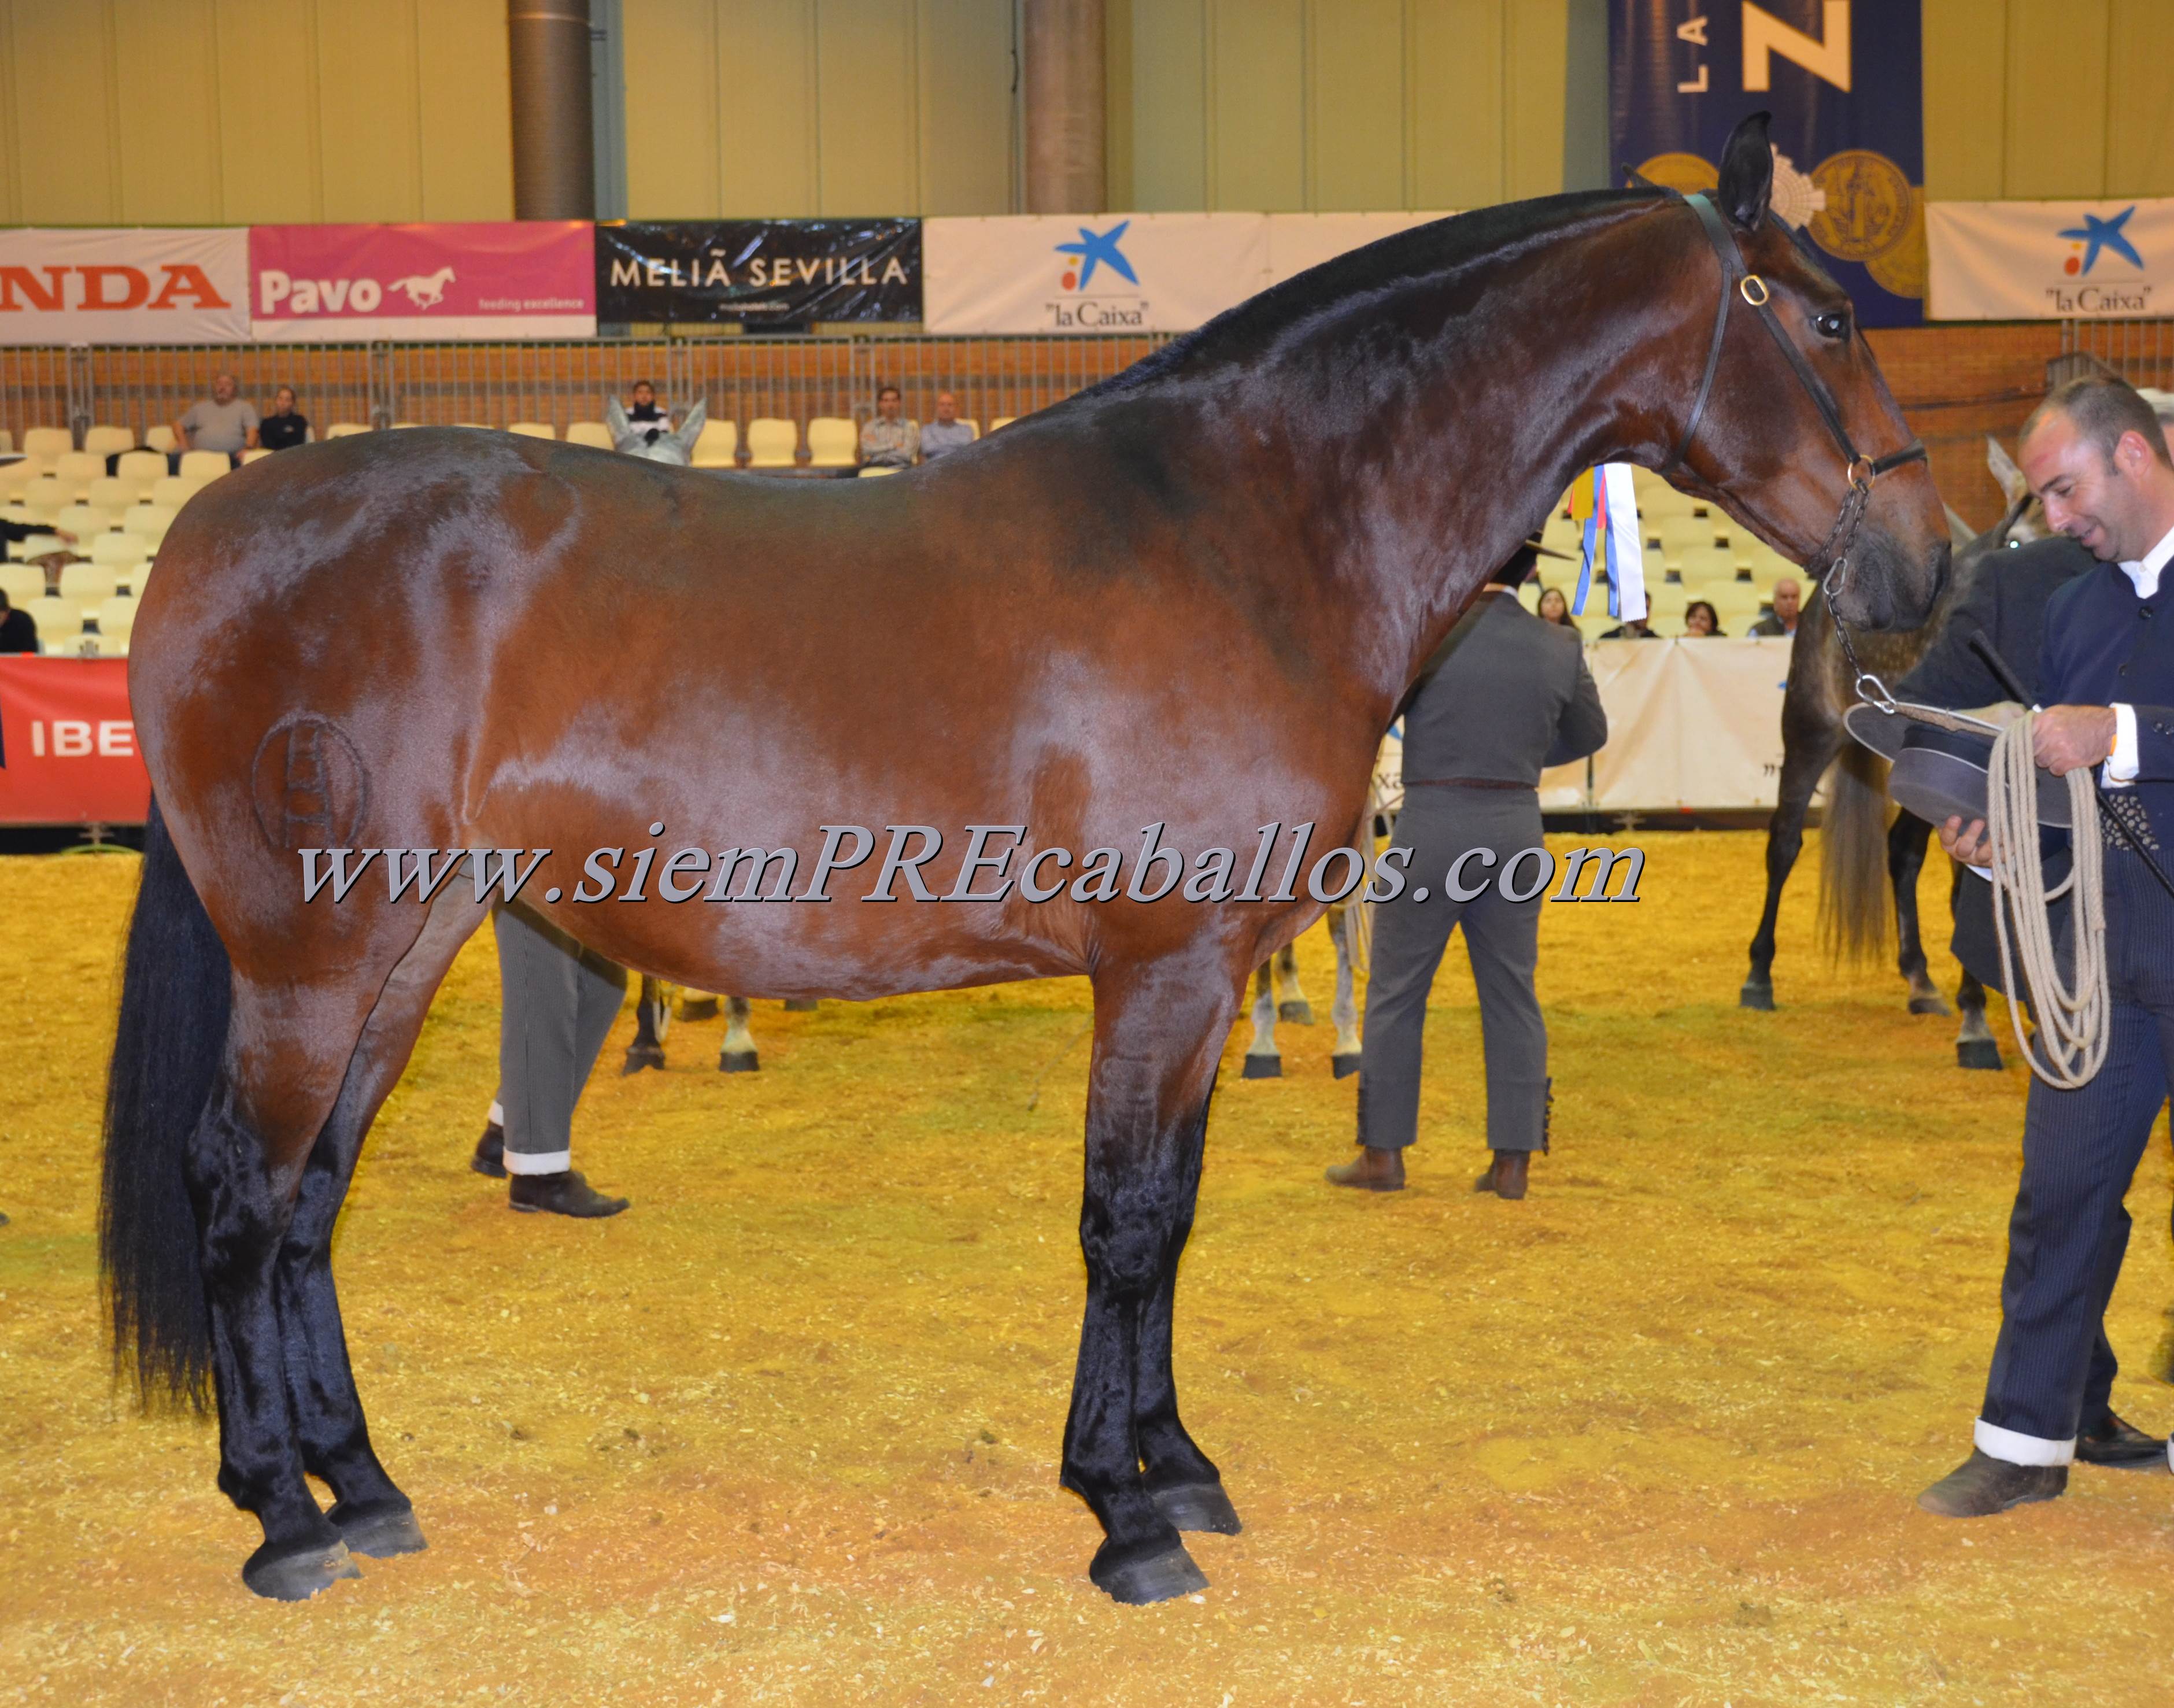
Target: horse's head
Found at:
x=673, y=445
x=1790, y=426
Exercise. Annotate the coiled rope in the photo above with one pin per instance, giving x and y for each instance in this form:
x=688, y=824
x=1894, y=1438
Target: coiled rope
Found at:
x=2072, y=1020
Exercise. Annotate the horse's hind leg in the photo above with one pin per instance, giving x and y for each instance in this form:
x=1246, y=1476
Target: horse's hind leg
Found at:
x=1804, y=761
x=1291, y=1005
x=1342, y=927
x=1263, y=1059
x=652, y=1013
x=1906, y=839
x=738, y=1054
x=1975, y=1044
x=1158, y=1033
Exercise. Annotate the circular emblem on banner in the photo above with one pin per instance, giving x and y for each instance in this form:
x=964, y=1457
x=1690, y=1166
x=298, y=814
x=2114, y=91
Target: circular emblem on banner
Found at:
x=1868, y=205
x=1902, y=270
x=1689, y=173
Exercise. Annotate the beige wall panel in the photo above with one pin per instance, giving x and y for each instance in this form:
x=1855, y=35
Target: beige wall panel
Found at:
x=1966, y=99
x=2057, y=91
x=2139, y=116
x=464, y=107
x=367, y=119
x=965, y=107
x=1170, y=106
x=868, y=115
x=766, y=56
x=1535, y=54
x=1256, y=104
x=267, y=85
x=1355, y=116
x=1455, y=100
x=675, y=66
x=11, y=153
x=64, y=112
x=167, y=99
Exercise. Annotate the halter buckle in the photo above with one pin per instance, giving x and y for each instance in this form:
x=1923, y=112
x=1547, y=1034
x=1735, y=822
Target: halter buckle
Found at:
x=1748, y=283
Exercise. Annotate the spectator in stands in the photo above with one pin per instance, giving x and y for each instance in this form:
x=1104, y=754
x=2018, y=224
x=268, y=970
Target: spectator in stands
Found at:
x=947, y=432
x=1787, y=599
x=221, y=422
x=1701, y=619
x=1637, y=629
x=10, y=532
x=285, y=427
x=1555, y=608
x=645, y=413
x=890, y=441
x=18, y=633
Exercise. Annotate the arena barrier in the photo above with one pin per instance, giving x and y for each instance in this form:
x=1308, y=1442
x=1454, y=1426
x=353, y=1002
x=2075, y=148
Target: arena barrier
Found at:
x=1694, y=726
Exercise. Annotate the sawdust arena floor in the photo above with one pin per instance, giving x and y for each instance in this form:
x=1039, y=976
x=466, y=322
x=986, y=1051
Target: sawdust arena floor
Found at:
x=788, y=1431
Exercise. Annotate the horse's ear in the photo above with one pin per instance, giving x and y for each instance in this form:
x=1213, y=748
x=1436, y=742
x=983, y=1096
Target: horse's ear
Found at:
x=1747, y=171
x=615, y=422
x=690, y=428
x=2004, y=471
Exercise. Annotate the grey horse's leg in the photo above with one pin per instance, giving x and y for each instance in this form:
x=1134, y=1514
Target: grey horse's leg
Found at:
x=739, y=1054
x=1263, y=1062
x=1343, y=925
x=1291, y=1005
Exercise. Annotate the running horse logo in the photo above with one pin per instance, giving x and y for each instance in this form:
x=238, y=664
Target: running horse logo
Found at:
x=426, y=290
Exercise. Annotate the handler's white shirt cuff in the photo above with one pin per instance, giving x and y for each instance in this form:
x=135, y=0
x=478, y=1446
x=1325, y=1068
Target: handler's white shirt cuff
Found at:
x=2024, y=1450
x=2122, y=764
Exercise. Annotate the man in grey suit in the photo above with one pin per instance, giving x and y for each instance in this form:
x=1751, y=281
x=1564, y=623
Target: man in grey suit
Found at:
x=1503, y=696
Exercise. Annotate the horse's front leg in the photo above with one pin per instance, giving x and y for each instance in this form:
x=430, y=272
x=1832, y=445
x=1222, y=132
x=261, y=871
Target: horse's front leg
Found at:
x=1263, y=1061
x=739, y=1054
x=1291, y=1005
x=1906, y=839
x=1343, y=930
x=1158, y=1033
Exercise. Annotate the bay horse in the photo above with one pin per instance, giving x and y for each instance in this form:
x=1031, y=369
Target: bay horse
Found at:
x=472, y=641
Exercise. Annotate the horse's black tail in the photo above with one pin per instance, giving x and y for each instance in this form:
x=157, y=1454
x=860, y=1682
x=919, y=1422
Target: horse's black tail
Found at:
x=166, y=1048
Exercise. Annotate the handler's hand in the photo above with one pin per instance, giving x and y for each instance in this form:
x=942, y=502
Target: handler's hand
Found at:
x=1973, y=847
x=2067, y=737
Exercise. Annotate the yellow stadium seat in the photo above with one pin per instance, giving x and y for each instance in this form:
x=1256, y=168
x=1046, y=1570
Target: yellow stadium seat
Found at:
x=204, y=465
x=148, y=522
x=116, y=616
x=256, y=456
x=103, y=442
x=110, y=496
x=340, y=430
x=138, y=469
x=875, y=469
x=6, y=442
x=57, y=619
x=771, y=443
x=77, y=469
x=1002, y=421
x=48, y=443
x=532, y=429
x=171, y=492
x=396, y=424
x=83, y=521
x=590, y=433
x=17, y=475
x=37, y=546
x=718, y=446
x=45, y=497
x=474, y=426
x=116, y=549
x=833, y=442
x=22, y=582
x=160, y=439
x=88, y=583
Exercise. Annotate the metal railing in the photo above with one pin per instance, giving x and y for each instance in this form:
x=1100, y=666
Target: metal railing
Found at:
x=495, y=385
x=2141, y=351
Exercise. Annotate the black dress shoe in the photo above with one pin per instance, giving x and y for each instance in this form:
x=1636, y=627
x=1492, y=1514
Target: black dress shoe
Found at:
x=563, y=1194
x=489, y=1158
x=2111, y=1442
x=1982, y=1485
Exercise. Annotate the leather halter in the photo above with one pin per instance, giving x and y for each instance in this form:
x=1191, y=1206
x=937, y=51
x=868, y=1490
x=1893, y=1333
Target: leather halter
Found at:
x=1738, y=281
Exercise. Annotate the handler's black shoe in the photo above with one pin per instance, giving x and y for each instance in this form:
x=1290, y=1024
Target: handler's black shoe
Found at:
x=2123, y=1445
x=1982, y=1485
x=489, y=1158
x=563, y=1194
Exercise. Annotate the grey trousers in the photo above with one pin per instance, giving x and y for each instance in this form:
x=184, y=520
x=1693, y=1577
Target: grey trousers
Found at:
x=558, y=1005
x=1502, y=938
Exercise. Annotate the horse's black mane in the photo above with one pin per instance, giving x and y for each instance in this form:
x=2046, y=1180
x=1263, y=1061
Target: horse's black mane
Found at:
x=1440, y=246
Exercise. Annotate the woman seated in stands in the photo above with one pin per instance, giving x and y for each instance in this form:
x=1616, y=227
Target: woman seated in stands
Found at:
x=1700, y=619
x=1555, y=608
x=285, y=427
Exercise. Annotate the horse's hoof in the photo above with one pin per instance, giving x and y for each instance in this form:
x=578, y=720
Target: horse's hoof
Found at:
x=697, y=1007
x=1934, y=1004
x=1138, y=1583
x=737, y=1061
x=1199, y=1507
x=1263, y=1067
x=1979, y=1052
x=379, y=1535
x=641, y=1055
x=1756, y=995
x=1344, y=1065
x=1297, y=1014
x=298, y=1576
x=800, y=1005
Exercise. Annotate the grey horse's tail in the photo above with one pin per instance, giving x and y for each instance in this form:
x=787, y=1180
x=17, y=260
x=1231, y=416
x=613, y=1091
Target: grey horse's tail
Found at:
x=1856, y=921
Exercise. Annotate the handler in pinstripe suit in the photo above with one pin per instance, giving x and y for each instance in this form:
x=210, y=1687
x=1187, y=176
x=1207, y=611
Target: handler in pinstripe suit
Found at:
x=2094, y=454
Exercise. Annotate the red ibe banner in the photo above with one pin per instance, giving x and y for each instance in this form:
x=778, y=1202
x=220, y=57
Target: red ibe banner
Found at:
x=67, y=743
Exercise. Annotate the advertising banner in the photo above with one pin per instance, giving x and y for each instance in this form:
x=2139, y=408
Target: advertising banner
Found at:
x=1111, y=273
x=762, y=272
x=144, y=286
x=505, y=279
x=2051, y=260
x=1842, y=79
x=67, y=743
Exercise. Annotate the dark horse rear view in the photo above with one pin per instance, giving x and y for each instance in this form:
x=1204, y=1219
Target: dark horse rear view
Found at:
x=1061, y=629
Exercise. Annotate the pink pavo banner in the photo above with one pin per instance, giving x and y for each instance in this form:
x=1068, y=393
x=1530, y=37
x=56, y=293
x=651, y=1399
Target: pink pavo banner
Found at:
x=510, y=278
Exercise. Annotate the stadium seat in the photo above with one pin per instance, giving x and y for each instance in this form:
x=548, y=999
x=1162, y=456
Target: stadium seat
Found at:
x=138, y=469
x=256, y=456
x=532, y=429
x=77, y=469
x=22, y=582
x=204, y=465
x=171, y=492
x=105, y=442
x=47, y=497
x=88, y=583
x=340, y=430
x=472, y=426
x=6, y=442
x=116, y=617
x=17, y=475
x=49, y=443
x=718, y=446
x=83, y=521
x=771, y=443
x=57, y=619
x=195, y=484
x=37, y=546
x=396, y=426
x=875, y=469
x=113, y=548
x=148, y=522
x=596, y=435
x=1002, y=421
x=1706, y=566
x=160, y=439
x=111, y=497
x=833, y=442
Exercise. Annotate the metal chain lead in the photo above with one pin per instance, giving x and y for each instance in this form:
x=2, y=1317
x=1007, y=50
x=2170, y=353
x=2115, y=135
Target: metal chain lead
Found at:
x=1868, y=688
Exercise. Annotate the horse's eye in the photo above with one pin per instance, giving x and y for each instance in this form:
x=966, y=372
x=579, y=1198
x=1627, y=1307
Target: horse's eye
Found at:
x=1833, y=324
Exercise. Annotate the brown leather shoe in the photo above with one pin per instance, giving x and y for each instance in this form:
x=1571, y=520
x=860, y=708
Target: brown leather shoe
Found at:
x=1506, y=1175
x=1982, y=1485
x=1375, y=1169
x=2110, y=1442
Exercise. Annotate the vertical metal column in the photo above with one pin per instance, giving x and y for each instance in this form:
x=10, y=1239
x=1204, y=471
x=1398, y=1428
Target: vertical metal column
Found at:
x=1064, y=75
x=554, y=174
